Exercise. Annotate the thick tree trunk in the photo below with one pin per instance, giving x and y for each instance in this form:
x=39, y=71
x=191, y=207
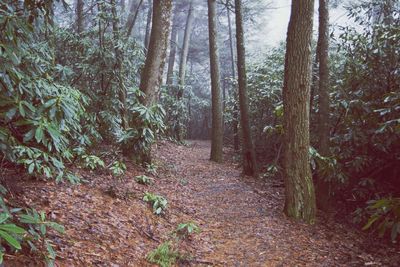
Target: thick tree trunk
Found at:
x=133, y=14
x=323, y=186
x=235, y=123
x=150, y=14
x=118, y=66
x=79, y=16
x=216, y=101
x=300, y=195
x=154, y=65
x=248, y=154
x=172, y=50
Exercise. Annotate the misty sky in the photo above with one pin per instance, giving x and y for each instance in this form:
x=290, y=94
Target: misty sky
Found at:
x=273, y=30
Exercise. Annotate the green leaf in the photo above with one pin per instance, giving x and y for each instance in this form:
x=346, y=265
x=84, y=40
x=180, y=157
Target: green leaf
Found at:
x=25, y=218
x=370, y=222
x=31, y=168
x=12, y=228
x=59, y=228
x=43, y=229
x=39, y=134
x=10, y=240
x=3, y=217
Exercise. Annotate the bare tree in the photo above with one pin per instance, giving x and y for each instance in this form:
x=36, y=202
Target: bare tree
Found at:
x=248, y=154
x=154, y=65
x=216, y=99
x=173, y=45
x=185, y=47
x=148, y=24
x=118, y=66
x=133, y=14
x=323, y=190
x=79, y=16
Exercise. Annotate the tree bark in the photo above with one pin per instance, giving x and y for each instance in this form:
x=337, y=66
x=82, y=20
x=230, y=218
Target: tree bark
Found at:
x=216, y=101
x=122, y=93
x=182, y=63
x=172, y=50
x=79, y=16
x=154, y=65
x=148, y=25
x=248, y=154
x=323, y=186
x=235, y=123
x=185, y=48
x=299, y=187
x=133, y=14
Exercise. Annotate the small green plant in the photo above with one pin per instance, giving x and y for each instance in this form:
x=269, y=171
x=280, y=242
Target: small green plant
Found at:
x=92, y=162
x=9, y=234
x=184, y=230
x=38, y=226
x=118, y=168
x=143, y=179
x=151, y=169
x=30, y=229
x=159, y=203
x=164, y=255
x=385, y=214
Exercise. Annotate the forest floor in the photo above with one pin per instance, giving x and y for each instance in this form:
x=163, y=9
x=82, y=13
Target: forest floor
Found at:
x=241, y=219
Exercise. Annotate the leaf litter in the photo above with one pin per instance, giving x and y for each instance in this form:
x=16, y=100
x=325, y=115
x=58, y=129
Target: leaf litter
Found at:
x=241, y=219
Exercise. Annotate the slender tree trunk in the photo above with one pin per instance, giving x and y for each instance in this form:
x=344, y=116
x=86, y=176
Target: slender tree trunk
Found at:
x=122, y=4
x=79, y=16
x=216, y=101
x=185, y=47
x=133, y=14
x=235, y=123
x=172, y=51
x=300, y=195
x=323, y=186
x=148, y=25
x=182, y=64
x=118, y=66
x=101, y=42
x=154, y=65
x=248, y=154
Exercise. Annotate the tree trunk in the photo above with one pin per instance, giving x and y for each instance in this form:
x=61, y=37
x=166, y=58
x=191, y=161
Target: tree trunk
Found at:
x=216, y=101
x=185, y=48
x=323, y=186
x=172, y=50
x=148, y=25
x=300, y=195
x=118, y=66
x=182, y=63
x=133, y=13
x=154, y=65
x=248, y=154
x=79, y=16
x=235, y=123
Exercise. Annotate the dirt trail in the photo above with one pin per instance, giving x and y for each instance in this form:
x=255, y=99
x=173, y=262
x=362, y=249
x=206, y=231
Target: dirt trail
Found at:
x=243, y=224
x=108, y=224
